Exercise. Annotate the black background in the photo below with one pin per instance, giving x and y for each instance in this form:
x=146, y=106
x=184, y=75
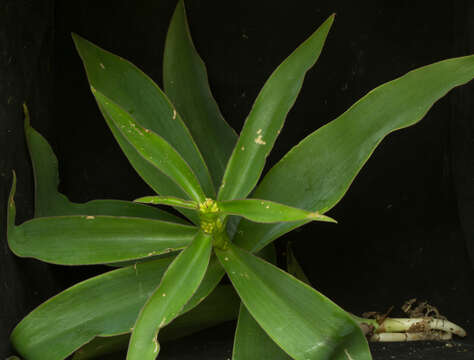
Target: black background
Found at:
x=405, y=227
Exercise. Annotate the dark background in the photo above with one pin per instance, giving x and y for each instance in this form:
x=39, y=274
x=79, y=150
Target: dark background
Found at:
x=405, y=227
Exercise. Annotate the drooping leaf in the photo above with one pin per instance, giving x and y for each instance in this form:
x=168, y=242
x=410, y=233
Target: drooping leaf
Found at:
x=220, y=306
x=178, y=284
x=268, y=115
x=317, y=172
x=49, y=202
x=252, y=343
x=65, y=322
x=87, y=239
x=185, y=82
x=126, y=85
x=168, y=200
x=153, y=148
x=265, y=211
x=304, y=323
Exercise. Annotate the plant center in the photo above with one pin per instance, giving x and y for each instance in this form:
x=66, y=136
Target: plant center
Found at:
x=213, y=223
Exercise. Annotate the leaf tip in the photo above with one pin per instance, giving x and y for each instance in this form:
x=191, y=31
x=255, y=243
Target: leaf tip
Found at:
x=319, y=217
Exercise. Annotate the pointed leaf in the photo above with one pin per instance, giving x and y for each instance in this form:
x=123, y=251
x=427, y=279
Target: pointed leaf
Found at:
x=158, y=181
x=252, y=343
x=78, y=240
x=168, y=200
x=220, y=306
x=185, y=82
x=49, y=202
x=300, y=320
x=265, y=211
x=317, y=172
x=65, y=322
x=268, y=115
x=126, y=85
x=293, y=266
x=153, y=148
x=177, y=286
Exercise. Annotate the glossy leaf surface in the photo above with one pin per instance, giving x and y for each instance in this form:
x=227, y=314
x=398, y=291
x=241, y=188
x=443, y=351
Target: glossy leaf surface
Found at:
x=268, y=115
x=304, y=323
x=49, y=202
x=252, y=343
x=185, y=82
x=317, y=172
x=65, y=322
x=126, y=85
x=265, y=211
x=153, y=148
x=220, y=306
x=78, y=240
x=181, y=280
x=168, y=200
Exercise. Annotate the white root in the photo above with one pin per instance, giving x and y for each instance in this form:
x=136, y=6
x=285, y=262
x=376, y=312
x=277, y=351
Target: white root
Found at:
x=416, y=336
x=420, y=325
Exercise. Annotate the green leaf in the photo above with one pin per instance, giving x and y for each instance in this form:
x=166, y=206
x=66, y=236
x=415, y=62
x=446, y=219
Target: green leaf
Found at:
x=293, y=266
x=185, y=82
x=265, y=211
x=220, y=306
x=49, y=202
x=252, y=343
x=300, y=320
x=211, y=279
x=179, y=283
x=268, y=115
x=158, y=181
x=318, y=171
x=168, y=200
x=152, y=147
x=78, y=240
x=61, y=325
x=126, y=85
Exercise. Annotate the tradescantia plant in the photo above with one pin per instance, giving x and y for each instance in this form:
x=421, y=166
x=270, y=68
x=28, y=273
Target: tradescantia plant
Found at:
x=167, y=283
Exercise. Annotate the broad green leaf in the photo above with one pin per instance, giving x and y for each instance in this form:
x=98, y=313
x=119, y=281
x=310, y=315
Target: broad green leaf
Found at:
x=317, y=172
x=126, y=85
x=185, y=82
x=88, y=239
x=49, y=202
x=178, y=284
x=168, y=200
x=268, y=115
x=252, y=343
x=153, y=148
x=304, y=323
x=220, y=306
x=61, y=325
x=265, y=211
